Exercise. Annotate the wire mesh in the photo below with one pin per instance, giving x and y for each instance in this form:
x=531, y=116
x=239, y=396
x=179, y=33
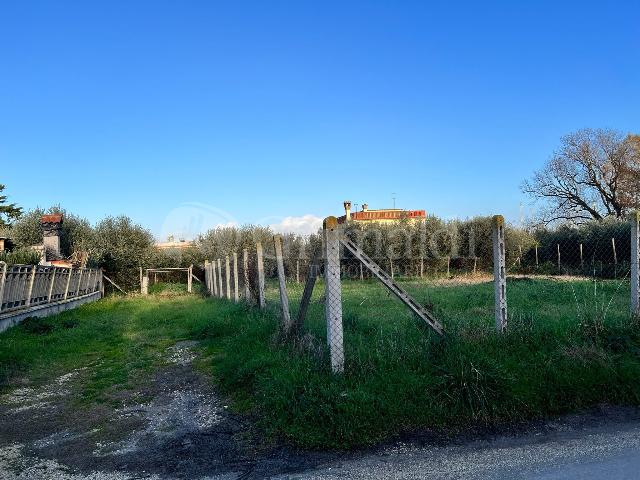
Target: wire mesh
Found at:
x=579, y=274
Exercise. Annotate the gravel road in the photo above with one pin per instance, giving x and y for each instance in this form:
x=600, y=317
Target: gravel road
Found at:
x=609, y=449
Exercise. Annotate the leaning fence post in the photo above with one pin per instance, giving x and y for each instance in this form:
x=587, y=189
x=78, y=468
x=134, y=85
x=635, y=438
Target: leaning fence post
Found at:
x=235, y=277
x=245, y=274
x=284, y=298
x=635, y=263
x=261, y=301
x=333, y=293
x=499, y=273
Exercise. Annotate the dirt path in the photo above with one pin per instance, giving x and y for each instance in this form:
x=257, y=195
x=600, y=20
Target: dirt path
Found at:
x=174, y=426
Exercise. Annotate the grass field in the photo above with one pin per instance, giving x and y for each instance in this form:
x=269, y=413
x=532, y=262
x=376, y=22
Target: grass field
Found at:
x=570, y=345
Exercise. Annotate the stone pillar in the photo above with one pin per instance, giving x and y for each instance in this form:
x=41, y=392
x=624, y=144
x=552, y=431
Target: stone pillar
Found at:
x=52, y=229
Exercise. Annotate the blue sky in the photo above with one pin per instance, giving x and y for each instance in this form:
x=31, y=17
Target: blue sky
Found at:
x=187, y=114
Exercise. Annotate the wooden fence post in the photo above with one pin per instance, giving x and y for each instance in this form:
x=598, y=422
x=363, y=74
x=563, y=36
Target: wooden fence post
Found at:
x=245, y=274
x=284, y=298
x=235, y=277
x=261, y=300
x=499, y=273
x=3, y=281
x=635, y=263
x=333, y=293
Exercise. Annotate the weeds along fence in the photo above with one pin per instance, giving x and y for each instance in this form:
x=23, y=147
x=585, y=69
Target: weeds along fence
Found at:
x=36, y=290
x=484, y=275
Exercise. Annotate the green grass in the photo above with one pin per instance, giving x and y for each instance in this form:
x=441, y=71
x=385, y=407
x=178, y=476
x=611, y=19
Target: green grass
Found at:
x=569, y=346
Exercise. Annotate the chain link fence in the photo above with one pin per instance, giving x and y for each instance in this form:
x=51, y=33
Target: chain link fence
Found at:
x=409, y=276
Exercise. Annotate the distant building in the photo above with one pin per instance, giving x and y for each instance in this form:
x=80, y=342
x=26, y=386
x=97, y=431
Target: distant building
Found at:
x=385, y=215
x=171, y=243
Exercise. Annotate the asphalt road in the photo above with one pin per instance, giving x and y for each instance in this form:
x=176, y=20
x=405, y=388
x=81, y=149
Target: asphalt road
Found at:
x=608, y=451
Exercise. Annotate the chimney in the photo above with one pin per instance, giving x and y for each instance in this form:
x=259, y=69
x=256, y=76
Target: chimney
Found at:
x=365, y=207
x=51, y=228
x=347, y=209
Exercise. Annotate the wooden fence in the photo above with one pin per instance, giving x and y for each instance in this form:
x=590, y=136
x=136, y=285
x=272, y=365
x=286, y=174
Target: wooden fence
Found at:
x=26, y=286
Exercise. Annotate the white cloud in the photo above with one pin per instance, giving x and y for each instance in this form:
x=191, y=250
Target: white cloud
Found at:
x=303, y=225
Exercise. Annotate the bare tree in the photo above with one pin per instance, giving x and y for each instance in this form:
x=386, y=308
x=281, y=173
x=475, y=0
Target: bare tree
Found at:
x=593, y=175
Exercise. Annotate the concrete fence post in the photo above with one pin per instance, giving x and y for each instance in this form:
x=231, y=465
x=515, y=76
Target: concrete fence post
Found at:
x=260, y=260
x=333, y=293
x=220, y=287
x=77, y=292
x=101, y=283
x=3, y=281
x=227, y=276
x=214, y=279
x=145, y=284
x=499, y=273
x=235, y=278
x=190, y=279
x=635, y=263
x=245, y=274
x=66, y=289
x=206, y=277
x=284, y=298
